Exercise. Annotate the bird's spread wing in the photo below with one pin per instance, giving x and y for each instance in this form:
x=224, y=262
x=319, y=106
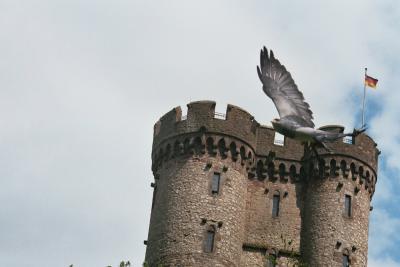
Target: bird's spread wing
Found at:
x=279, y=85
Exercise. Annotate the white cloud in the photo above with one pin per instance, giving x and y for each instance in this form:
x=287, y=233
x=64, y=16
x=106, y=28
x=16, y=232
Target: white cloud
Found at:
x=383, y=233
x=379, y=262
x=386, y=188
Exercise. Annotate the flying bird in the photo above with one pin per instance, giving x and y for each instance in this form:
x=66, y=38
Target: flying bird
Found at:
x=295, y=117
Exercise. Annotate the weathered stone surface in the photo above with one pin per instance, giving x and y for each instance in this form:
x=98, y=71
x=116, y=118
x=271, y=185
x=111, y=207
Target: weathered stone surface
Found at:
x=311, y=221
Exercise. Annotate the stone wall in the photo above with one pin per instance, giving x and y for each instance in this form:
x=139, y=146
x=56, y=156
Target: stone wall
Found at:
x=264, y=230
x=327, y=231
x=188, y=150
x=184, y=208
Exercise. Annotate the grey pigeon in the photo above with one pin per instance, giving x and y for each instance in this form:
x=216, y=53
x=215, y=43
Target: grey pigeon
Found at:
x=295, y=115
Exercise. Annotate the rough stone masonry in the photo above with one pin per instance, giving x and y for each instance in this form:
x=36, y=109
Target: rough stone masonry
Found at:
x=226, y=193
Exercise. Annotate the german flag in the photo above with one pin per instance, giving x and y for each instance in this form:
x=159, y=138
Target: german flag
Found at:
x=371, y=82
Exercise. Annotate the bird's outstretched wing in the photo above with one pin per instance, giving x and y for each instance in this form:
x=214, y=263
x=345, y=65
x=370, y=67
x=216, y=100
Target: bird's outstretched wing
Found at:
x=279, y=85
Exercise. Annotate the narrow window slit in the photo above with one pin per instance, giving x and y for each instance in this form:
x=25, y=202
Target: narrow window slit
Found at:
x=209, y=242
x=275, y=204
x=347, y=205
x=215, y=184
x=279, y=139
x=346, y=260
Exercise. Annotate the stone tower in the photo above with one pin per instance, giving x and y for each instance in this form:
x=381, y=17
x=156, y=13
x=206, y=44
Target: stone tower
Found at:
x=227, y=192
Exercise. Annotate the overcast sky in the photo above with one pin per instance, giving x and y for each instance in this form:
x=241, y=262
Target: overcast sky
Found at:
x=83, y=82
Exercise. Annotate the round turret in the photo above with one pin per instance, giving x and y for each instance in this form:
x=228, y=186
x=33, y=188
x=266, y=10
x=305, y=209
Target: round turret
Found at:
x=336, y=207
x=200, y=191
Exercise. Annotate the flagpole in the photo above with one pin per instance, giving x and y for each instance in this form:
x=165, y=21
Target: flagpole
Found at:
x=363, y=103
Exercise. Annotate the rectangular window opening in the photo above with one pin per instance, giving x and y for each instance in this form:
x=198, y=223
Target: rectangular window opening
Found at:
x=348, y=140
x=271, y=261
x=216, y=179
x=347, y=205
x=219, y=115
x=184, y=110
x=346, y=261
x=209, y=246
x=279, y=139
x=275, y=206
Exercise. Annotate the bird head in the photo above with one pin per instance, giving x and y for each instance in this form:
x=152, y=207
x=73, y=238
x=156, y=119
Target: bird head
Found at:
x=275, y=122
x=277, y=125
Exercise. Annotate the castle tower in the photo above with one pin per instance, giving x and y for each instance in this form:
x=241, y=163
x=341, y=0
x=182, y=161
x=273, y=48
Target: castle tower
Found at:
x=337, y=204
x=228, y=193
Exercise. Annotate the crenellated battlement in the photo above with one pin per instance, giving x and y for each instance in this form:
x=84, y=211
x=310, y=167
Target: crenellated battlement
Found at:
x=228, y=176
x=201, y=115
x=239, y=137
x=265, y=167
